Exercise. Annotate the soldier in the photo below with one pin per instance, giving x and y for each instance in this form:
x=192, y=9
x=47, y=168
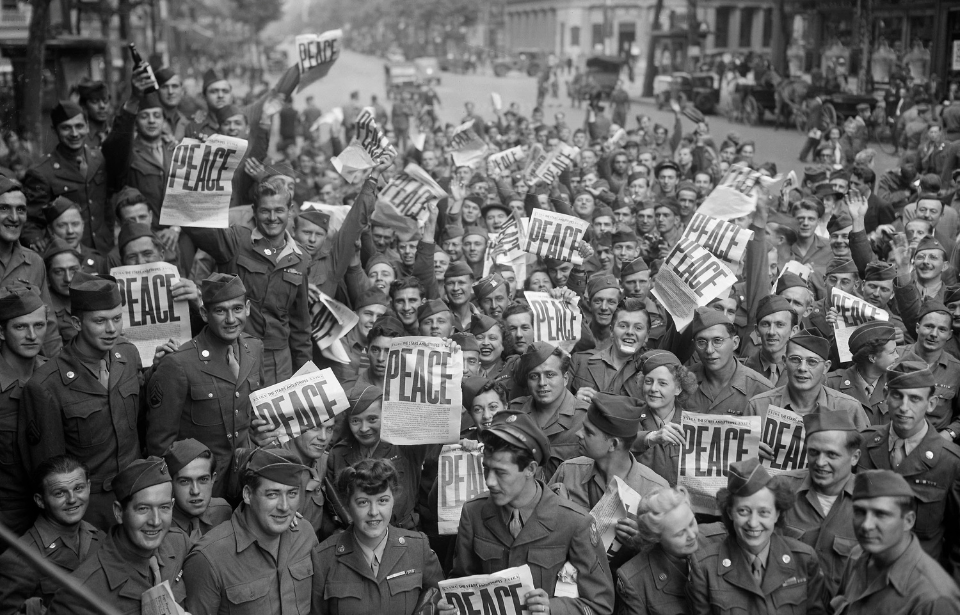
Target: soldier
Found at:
x=202, y=390
x=60, y=535
x=893, y=575
x=491, y=293
x=311, y=447
x=458, y=284
x=606, y=369
x=140, y=552
x=911, y=447
x=603, y=294
x=874, y=349
x=371, y=305
x=23, y=322
x=823, y=513
x=521, y=521
x=384, y=329
x=274, y=271
x=256, y=562
x=217, y=93
x=86, y=402
x=75, y=171
x=435, y=318
x=193, y=470
x=171, y=93
x=95, y=101
x=19, y=265
x=776, y=324
x=63, y=263
x=65, y=222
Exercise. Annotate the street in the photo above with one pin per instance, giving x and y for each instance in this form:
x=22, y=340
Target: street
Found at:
x=365, y=74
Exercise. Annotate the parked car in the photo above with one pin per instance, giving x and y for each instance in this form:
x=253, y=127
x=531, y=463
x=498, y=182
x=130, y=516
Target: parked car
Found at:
x=428, y=70
x=529, y=61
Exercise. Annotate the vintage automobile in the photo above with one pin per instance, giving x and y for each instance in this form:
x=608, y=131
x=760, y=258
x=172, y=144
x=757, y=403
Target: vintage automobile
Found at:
x=428, y=70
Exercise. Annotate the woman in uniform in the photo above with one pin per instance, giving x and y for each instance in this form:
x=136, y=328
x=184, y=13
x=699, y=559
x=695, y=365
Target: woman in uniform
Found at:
x=755, y=569
x=373, y=567
x=495, y=343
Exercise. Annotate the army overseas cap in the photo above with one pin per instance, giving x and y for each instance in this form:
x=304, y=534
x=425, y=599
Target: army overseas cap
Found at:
x=602, y=240
x=431, y=307
x=790, y=280
x=635, y=266
x=19, y=300
x=129, y=196
x=130, y=231
x=58, y=246
x=930, y=305
x=362, y=397
x=873, y=331
x=220, y=287
x=277, y=465
x=389, y=324
x=164, y=75
x=828, y=421
x=838, y=222
x=481, y=323
x=182, y=452
x=951, y=294
x=225, y=113
x=486, y=286
x=624, y=237
x=8, y=184
x=451, y=231
x=879, y=484
x=614, y=415
x=316, y=217
x=771, y=304
x=457, y=269
x=812, y=342
x=652, y=359
x=139, y=475
x=601, y=282
x=602, y=212
x=842, y=265
x=706, y=317
x=89, y=293
x=466, y=341
x=929, y=243
x=96, y=90
x=910, y=375
x=210, y=77
x=536, y=354
x=65, y=110
x=878, y=271
x=59, y=206
x=670, y=203
x=520, y=430
x=747, y=477
x=476, y=230
x=373, y=296
x=149, y=101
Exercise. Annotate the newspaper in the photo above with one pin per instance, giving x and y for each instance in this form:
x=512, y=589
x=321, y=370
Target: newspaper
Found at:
x=502, y=161
x=369, y=148
x=300, y=403
x=726, y=241
x=159, y=600
x=150, y=315
x=200, y=183
x=422, y=397
x=851, y=313
x=690, y=277
x=552, y=164
x=795, y=267
x=500, y=593
x=712, y=443
x=411, y=191
x=330, y=320
x=505, y=247
x=316, y=55
x=783, y=432
x=466, y=147
x=553, y=235
x=554, y=320
x=734, y=197
x=461, y=479
x=617, y=502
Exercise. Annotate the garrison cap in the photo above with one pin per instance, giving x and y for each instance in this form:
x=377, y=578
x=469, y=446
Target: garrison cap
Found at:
x=536, y=354
x=634, y=177
x=130, y=231
x=747, y=477
x=932, y=305
x=828, y=421
x=602, y=212
x=910, y=375
x=790, y=280
x=430, y=307
x=635, y=266
x=771, y=304
x=826, y=189
x=481, y=323
x=457, y=269
x=19, y=300
x=129, y=196
x=316, y=217
x=277, y=465
x=373, y=296
x=652, y=359
x=494, y=205
x=875, y=330
x=601, y=282
x=930, y=243
x=361, y=398
x=210, y=77
x=670, y=203
x=92, y=90
x=878, y=271
x=220, y=287
x=90, y=293
x=225, y=113
x=149, y=101
x=520, y=430
x=614, y=415
x=602, y=240
x=951, y=294
x=838, y=222
x=8, y=184
x=164, y=75
x=842, y=265
x=58, y=246
x=812, y=342
x=666, y=164
x=476, y=230
x=706, y=317
x=139, y=475
x=623, y=237
x=486, y=286
x=182, y=453
x=52, y=211
x=470, y=386
x=693, y=114
x=380, y=259
x=389, y=324
x=880, y=483
x=65, y=110
x=467, y=341
x=451, y=231
x=687, y=186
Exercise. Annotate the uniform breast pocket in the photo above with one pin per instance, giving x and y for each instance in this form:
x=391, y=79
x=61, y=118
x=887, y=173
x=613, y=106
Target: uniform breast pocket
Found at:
x=83, y=422
x=727, y=602
x=490, y=553
x=791, y=599
x=546, y=563
x=130, y=394
x=344, y=598
x=302, y=573
x=8, y=437
x=405, y=590
x=932, y=500
x=843, y=547
x=254, y=275
x=251, y=597
x=205, y=406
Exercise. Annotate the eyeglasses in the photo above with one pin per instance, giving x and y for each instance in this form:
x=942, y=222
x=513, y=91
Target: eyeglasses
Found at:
x=716, y=342
x=797, y=361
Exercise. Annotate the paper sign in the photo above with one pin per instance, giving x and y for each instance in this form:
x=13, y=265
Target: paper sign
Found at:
x=466, y=146
x=501, y=161
x=200, y=183
x=150, y=315
x=783, y=432
x=618, y=500
x=505, y=246
x=712, y=443
x=369, y=148
x=496, y=101
x=556, y=162
x=734, y=197
x=726, y=241
x=159, y=600
x=461, y=480
x=500, y=593
x=317, y=54
x=554, y=320
x=411, y=191
x=851, y=313
x=689, y=278
x=300, y=403
x=421, y=395
x=795, y=267
x=332, y=119
x=330, y=320
x=553, y=235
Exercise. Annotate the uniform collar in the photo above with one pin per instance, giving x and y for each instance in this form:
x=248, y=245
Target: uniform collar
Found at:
x=7, y=379
x=50, y=534
x=290, y=247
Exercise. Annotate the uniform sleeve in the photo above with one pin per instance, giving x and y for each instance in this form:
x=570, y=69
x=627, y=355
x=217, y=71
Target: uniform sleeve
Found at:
x=756, y=274
x=203, y=585
x=356, y=220
x=18, y=581
x=423, y=270
x=465, y=560
x=629, y=599
x=38, y=194
x=951, y=529
x=52, y=342
x=40, y=416
x=817, y=597
x=698, y=592
x=166, y=395
x=432, y=573
x=117, y=148
x=301, y=348
x=221, y=244
x=594, y=581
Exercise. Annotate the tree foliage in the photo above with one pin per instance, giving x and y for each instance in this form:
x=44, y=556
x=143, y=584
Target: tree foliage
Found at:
x=258, y=13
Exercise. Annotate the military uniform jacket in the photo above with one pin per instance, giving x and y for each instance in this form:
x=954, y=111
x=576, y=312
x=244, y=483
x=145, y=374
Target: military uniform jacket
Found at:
x=332, y=259
x=584, y=486
x=313, y=503
x=118, y=577
x=847, y=381
x=20, y=581
x=594, y=369
x=558, y=531
x=17, y=509
x=946, y=373
x=650, y=583
x=347, y=586
x=827, y=401
x=721, y=582
x=277, y=291
x=26, y=267
x=65, y=409
x=561, y=432
x=915, y=584
x=59, y=175
x=229, y=573
x=193, y=394
x=933, y=471
x=218, y=511
x=733, y=398
x=664, y=459
x=831, y=536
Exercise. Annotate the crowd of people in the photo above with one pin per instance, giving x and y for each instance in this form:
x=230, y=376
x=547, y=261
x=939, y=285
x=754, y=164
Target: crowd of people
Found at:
x=126, y=475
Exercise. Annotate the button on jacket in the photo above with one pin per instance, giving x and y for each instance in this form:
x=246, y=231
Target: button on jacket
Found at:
x=348, y=586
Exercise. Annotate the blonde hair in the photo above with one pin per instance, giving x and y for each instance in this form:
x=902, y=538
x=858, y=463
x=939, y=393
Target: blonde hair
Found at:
x=653, y=508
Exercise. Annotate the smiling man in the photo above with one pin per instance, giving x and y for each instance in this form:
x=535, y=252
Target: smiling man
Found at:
x=776, y=323
x=603, y=295
x=193, y=469
x=385, y=328
x=458, y=285
x=372, y=305
x=435, y=319
x=257, y=562
x=929, y=261
x=605, y=369
x=492, y=294
x=810, y=248
x=406, y=295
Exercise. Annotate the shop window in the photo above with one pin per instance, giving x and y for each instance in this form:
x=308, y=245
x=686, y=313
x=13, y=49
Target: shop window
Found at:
x=746, y=27
x=575, y=36
x=767, y=28
x=723, y=27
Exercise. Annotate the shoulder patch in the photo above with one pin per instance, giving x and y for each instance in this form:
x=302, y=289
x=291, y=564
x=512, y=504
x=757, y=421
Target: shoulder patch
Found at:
x=156, y=395
x=594, y=534
x=33, y=433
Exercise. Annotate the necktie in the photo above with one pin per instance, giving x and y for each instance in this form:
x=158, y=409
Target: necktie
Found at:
x=155, y=570
x=375, y=565
x=869, y=390
x=232, y=362
x=897, y=454
x=104, y=374
x=758, y=571
x=195, y=530
x=82, y=162
x=516, y=524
